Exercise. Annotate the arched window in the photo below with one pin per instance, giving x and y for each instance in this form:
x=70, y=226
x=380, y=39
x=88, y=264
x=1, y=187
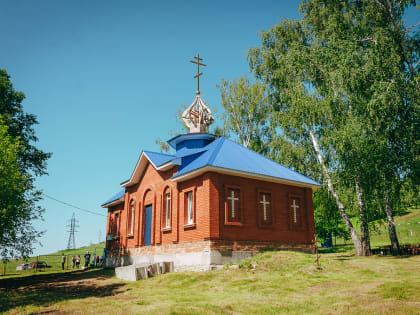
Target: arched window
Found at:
x=167, y=209
x=116, y=228
x=131, y=212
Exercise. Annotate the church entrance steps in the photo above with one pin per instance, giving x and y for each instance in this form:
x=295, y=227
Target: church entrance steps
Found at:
x=143, y=271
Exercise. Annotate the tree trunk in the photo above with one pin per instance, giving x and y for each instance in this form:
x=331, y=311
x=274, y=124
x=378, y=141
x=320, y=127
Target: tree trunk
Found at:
x=392, y=231
x=364, y=227
x=331, y=189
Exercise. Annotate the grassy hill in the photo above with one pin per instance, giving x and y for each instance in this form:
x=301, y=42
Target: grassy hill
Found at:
x=53, y=260
x=269, y=283
x=408, y=229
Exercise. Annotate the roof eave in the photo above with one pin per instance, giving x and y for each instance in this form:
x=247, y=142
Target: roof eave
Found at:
x=168, y=165
x=228, y=171
x=132, y=181
x=112, y=203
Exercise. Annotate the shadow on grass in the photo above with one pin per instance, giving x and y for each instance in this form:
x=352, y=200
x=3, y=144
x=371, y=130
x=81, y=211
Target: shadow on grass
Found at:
x=396, y=256
x=42, y=290
x=344, y=248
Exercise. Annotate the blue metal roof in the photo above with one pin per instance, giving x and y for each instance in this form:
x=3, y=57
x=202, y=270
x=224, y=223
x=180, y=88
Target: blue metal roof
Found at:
x=225, y=153
x=196, y=151
x=159, y=158
x=175, y=141
x=115, y=197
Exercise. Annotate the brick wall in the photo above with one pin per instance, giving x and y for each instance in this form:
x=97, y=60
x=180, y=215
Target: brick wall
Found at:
x=209, y=203
x=280, y=229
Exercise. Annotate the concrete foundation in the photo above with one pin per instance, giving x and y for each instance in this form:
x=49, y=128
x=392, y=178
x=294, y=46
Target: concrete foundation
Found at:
x=198, y=256
x=143, y=271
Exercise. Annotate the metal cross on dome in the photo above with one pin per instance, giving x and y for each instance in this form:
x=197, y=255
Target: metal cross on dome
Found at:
x=198, y=63
x=197, y=116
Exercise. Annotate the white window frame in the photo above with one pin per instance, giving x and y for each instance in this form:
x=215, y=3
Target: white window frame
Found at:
x=168, y=210
x=190, y=207
x=132, y=209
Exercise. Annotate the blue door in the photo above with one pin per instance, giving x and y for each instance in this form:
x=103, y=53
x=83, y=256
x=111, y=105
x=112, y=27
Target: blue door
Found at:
x=148, y=229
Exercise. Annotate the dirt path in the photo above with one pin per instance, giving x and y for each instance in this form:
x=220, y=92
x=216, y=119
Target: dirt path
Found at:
x=42, y=290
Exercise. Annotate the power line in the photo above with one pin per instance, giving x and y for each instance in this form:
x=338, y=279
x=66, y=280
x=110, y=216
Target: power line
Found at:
x=73, y=206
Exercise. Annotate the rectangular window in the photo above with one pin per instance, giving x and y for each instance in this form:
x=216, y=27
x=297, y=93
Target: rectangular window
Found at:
x=168, y=210
x=190, y=214
x=265, y=207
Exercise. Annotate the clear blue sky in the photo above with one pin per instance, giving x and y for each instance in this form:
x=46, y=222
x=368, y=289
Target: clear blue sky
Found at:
x=105, y=79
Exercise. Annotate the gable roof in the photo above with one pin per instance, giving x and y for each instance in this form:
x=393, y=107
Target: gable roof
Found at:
x=114, y=200
x=226, y=156
x=221, y=155
x=158, y=160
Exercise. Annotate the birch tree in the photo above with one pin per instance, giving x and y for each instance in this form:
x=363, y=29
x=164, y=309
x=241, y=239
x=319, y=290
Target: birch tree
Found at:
x=245, y=113
x=341, y=85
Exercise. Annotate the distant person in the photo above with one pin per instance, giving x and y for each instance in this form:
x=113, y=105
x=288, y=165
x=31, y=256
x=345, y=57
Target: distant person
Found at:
x=73, y=262
x=63, y=261
x=78, y=261
x=87, y=259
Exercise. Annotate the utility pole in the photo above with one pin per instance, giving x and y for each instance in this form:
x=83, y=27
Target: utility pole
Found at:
x=71, y=244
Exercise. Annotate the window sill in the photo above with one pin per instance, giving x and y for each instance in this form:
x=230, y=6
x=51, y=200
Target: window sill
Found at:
x=167, y=230
x=190, y=226
x=130, y=236
x=239, y=224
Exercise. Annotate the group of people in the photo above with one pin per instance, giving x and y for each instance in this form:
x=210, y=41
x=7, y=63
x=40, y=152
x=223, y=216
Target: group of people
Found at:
x=75, y=260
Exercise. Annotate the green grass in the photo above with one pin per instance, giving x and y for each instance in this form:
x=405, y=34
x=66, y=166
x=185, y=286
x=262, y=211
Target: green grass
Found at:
x=53, y=260
x=408, y=230
x=271, y=282
x=282, y=282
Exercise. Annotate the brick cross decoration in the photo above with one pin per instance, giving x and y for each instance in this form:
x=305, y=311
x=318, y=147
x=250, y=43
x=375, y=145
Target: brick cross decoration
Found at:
x=233, y=199
x=294, y=206
x=264, y=203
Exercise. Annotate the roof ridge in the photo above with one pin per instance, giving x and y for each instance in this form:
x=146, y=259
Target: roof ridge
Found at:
x=147, y=151
x=216, y=150
x=271, y=160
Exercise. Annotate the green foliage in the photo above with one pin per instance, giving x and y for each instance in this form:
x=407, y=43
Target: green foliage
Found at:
x=348, y=73
x=17, y=200
x=327, y=218
x=245, y=112
x=20, y=161
x=21, y=126
x=163, y=145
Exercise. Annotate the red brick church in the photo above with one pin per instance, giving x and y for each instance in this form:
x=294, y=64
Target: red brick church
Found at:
x=213, y=201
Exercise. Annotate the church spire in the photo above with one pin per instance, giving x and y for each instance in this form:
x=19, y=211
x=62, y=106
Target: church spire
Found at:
x=198, y=116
